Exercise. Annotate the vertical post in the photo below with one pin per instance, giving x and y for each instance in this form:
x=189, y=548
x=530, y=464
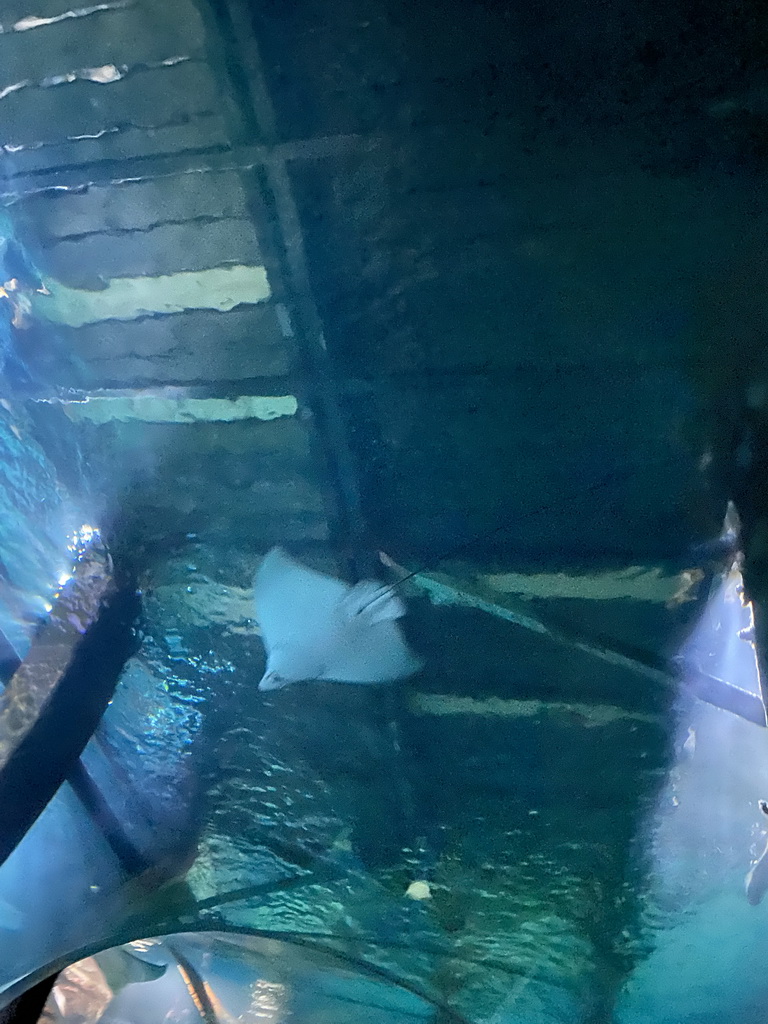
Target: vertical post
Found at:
x=234, y=21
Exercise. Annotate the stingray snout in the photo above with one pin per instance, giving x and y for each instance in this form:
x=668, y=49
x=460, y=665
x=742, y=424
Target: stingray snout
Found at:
x=273, y=681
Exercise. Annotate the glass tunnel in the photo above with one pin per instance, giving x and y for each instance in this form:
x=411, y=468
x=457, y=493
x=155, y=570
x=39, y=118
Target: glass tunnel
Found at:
x=383, y=512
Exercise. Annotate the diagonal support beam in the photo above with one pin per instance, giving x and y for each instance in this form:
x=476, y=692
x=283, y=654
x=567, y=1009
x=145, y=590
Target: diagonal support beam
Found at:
x=671, y=674
x=58, y=694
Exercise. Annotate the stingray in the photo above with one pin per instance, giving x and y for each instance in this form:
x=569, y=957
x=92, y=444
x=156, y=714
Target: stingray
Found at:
x=316, y=627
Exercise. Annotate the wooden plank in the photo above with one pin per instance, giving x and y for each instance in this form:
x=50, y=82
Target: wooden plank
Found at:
x=173, y=349
x=147, y=99
x=23, y=168
x=89, y=261
x=131, y=206
x=125, y=37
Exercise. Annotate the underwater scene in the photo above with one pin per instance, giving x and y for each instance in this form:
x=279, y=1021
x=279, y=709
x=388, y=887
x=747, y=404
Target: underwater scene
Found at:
x=383, y=512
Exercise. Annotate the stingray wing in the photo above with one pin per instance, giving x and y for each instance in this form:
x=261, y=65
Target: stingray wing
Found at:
x=293, y=603
x=369, y=652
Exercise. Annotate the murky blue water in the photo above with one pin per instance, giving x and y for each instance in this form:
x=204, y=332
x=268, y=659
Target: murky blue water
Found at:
x=490, y=347
x=585, y=858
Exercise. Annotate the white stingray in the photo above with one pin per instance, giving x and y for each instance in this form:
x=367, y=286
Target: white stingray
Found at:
x=316, y=627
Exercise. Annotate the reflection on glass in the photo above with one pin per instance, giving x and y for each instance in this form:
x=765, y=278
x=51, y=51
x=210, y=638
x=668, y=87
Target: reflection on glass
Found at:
x=220, y=978
x=706, y=830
